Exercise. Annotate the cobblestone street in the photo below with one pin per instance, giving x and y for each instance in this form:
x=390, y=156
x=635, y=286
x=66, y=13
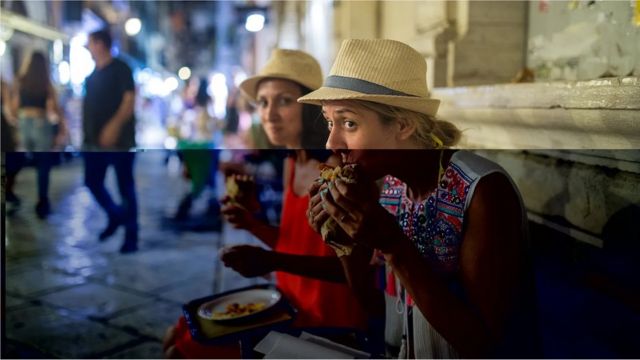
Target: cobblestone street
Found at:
x=70, y=296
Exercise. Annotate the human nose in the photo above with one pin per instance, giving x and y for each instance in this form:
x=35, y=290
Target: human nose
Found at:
x=271, y=112
x=336, y=140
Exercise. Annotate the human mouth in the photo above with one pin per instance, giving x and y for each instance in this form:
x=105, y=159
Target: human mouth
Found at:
x=345, y=158
x=275, y=128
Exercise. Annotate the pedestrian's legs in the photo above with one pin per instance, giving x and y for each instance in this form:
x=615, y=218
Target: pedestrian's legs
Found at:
x=43, y=157
x=37, y=136
x=95, y=169
x=123, y=163
x=14, y=161
x=43, y=162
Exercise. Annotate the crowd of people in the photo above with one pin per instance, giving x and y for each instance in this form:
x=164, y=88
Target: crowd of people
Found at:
x=439, y=260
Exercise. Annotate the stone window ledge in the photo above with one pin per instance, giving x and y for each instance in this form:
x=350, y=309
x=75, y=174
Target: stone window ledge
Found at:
x=599, y=114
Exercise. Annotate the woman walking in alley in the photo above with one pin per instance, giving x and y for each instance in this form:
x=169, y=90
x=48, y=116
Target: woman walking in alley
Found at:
x=41, y=123
x=458, y=281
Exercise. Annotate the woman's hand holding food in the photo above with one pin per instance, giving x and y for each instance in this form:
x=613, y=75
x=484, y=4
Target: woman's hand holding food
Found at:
x=356, y=209
x=315, y=213
x=248, y=260
x=240, y=204
x=241, y=189
x=237, y=215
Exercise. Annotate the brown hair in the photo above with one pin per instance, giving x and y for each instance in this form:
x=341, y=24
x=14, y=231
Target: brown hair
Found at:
x=34, y=77
x=427, y=126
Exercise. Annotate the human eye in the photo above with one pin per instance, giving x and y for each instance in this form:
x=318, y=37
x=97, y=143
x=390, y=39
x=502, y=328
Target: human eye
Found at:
x=262, y=103
x=285, y=100
x=349, y=124
x=329, y=124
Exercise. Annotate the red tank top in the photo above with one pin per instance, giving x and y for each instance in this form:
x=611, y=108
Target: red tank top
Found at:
x=320, y=303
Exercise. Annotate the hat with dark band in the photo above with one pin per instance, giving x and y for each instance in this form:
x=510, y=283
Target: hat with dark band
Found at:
x=377, y=70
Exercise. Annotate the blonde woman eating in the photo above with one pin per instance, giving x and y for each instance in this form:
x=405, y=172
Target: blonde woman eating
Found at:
x=449, y=225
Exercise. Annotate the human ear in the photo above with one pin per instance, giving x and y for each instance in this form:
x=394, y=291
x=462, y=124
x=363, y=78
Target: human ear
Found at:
x=405, y=128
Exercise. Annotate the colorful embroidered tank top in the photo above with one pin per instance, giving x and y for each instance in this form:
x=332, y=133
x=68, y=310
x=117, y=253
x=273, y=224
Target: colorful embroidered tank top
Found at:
x=435, y=224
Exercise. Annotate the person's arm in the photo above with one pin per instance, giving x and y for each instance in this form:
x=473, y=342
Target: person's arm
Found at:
x=252, y=261
x=266, y=233
x=490, y=267
x=326, y=268
x=54, y=106
x=111, y=130
x=360, y=275
x=14, y=104
x=357, y=268
x=241, y=218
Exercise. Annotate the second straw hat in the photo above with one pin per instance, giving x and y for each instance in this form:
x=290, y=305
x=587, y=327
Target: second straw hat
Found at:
x=377, y=70
x=294, y=65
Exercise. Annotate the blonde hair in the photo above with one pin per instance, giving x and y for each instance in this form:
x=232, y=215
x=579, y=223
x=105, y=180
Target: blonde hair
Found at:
x=431, y=132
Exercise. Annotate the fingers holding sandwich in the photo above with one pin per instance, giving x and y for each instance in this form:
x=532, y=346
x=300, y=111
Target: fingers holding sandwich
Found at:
x=241, y=190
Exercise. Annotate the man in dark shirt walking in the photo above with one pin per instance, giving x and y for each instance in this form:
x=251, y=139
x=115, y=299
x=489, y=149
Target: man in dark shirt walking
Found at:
x=109, y=135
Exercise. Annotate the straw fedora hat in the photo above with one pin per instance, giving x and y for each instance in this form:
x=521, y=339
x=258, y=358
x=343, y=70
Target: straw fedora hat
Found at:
x=294, y=65
x=381, y=71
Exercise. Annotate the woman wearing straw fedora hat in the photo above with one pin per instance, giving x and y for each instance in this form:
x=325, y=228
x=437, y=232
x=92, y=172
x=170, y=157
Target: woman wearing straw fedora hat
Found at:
x=458, y=279
x=307, y=270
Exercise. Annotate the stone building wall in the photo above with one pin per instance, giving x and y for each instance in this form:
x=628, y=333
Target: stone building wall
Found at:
x=571, y=146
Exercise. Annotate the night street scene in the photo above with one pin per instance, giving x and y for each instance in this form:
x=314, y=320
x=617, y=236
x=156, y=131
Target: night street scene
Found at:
x=320, y=179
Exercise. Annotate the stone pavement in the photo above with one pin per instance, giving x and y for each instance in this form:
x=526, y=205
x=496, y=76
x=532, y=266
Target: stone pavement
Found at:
x=69, y=296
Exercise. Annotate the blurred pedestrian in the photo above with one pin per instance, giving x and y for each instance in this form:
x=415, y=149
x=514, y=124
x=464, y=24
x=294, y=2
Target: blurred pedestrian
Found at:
x=109, y=135
x=41, y=123
x=200, y=158
x=12, y=160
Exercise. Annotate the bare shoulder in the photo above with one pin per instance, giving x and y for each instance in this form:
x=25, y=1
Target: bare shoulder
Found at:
x=495, y=216
x=495, y=192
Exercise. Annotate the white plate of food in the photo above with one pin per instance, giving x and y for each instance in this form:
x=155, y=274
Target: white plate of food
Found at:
x=239, y=305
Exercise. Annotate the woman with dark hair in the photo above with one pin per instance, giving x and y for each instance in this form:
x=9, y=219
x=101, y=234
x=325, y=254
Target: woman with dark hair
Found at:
x=33, y=99
x=308, y=272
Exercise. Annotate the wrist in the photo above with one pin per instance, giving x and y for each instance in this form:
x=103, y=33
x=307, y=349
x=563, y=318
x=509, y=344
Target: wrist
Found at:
x=254, y=225
x=396, y=249
x=390, y=233
x=115, y=122
x=272, y=260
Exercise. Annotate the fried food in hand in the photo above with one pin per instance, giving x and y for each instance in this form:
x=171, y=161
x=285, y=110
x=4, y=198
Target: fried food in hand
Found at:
x=331, y=232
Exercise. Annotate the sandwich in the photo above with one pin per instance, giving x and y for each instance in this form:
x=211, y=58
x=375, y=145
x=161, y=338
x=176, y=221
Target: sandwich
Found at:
x=233, y=190
x=239, y=189
x=331, y=232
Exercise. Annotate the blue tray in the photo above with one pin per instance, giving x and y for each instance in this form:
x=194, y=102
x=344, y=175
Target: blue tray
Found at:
x=206, y=331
